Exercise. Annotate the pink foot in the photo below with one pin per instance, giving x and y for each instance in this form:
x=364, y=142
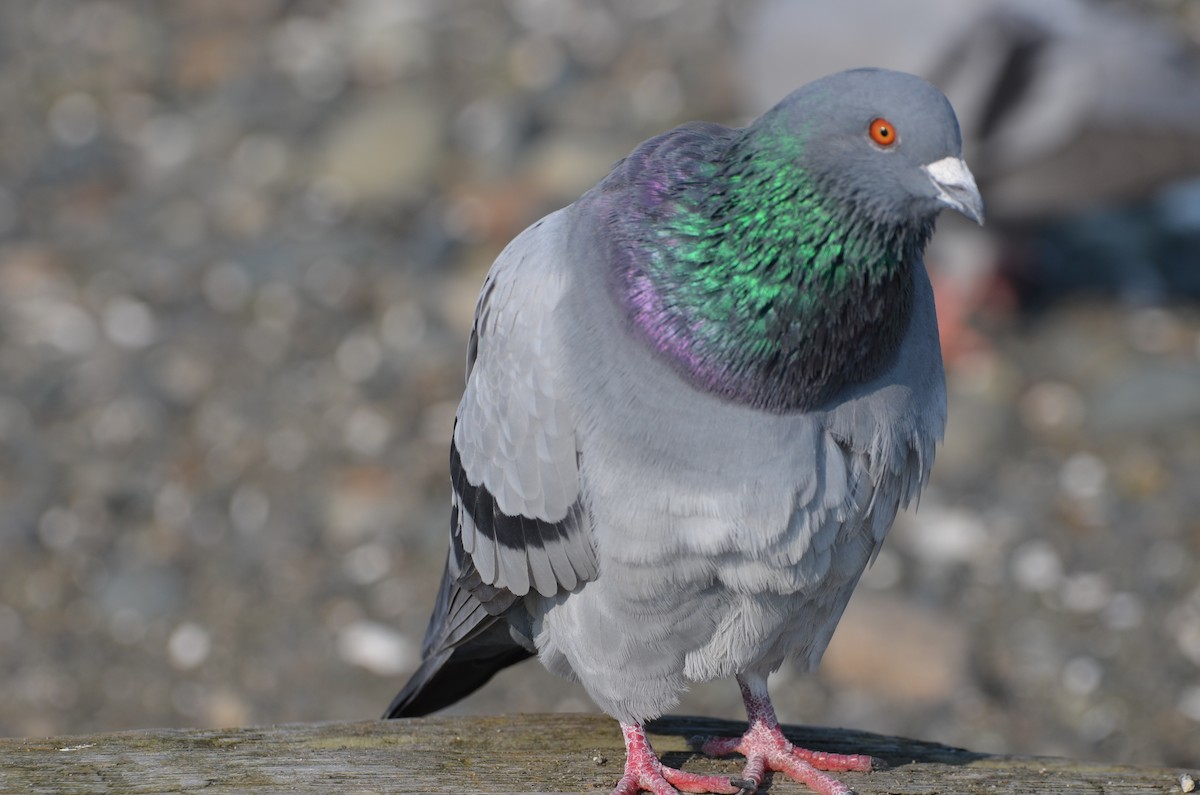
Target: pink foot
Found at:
x=643, y=771
x=765, y=748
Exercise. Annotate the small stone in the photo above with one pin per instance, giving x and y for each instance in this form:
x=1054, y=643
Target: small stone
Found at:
x=1099, y=721
x=127, y=626
x=376, y=647
x=1081, y=675
x=367, y=564
x=1086, y=593
x=485, y=126
x=1140, y=472
x=59, y=323
x=183, y=376
x=188, y=645
x=1124, y=611
x=225, y=708
x=367, y=432
x=1036, y=566
x=122, y=421
x=240, y=213
x=167, y=142
x=946, y=536
x=79, y=747
x=203, y=60
x=1051, y=405
x=1187, y=637
x=307, y=50
x=1083, y=476
x=1186, y=782
x=58, y=528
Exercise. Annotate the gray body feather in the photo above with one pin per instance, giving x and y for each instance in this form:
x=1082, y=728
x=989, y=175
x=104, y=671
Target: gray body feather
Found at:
x=692, y=538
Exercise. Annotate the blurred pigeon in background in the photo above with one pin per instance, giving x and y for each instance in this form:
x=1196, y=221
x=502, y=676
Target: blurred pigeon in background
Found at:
x=1064, y=104
x=1076, y=115
x=696, y=399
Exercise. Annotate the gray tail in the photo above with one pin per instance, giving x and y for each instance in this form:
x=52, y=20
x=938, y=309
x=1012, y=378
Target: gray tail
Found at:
x=464, y=647
x=445, y=678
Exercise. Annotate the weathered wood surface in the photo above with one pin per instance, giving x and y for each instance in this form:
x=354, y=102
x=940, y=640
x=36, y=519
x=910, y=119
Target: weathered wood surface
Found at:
x=506, y=754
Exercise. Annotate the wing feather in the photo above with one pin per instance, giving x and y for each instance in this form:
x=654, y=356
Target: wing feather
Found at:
x=514, y=457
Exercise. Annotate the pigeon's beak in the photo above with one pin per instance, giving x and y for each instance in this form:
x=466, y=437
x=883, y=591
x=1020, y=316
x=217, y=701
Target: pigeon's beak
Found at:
x=956, y=187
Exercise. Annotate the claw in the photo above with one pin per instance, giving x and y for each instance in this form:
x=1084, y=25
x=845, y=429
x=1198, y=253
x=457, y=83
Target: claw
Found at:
x=765, y=748
x=745, y=786
x=644, y=771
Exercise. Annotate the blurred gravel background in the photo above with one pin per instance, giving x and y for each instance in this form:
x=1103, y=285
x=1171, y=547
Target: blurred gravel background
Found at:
x=239, y=248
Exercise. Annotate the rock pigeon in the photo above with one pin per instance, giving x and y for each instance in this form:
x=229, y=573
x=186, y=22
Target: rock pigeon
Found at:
x=695, y=400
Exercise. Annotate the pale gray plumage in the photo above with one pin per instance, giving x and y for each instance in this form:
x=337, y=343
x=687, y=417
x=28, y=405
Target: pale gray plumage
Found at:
x=515, y=430
x=756, y=518
x=637, y=529
x=756, y=544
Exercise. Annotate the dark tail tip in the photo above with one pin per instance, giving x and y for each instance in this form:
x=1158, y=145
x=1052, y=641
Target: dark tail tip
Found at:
x=446, y=678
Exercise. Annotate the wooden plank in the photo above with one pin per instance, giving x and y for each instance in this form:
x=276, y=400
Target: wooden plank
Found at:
x=501, y=754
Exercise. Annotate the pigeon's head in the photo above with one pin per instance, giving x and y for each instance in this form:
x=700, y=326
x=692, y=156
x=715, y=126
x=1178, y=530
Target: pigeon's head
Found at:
x=886, y=141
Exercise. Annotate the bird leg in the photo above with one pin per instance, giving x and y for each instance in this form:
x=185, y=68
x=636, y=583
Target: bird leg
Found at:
x=643, y=771
x=765, y=747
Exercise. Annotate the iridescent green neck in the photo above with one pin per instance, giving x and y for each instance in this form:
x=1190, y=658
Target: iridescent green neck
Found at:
x=761, y=286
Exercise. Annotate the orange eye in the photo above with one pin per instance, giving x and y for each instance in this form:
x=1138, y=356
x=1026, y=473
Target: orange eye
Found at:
x=882, y=132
